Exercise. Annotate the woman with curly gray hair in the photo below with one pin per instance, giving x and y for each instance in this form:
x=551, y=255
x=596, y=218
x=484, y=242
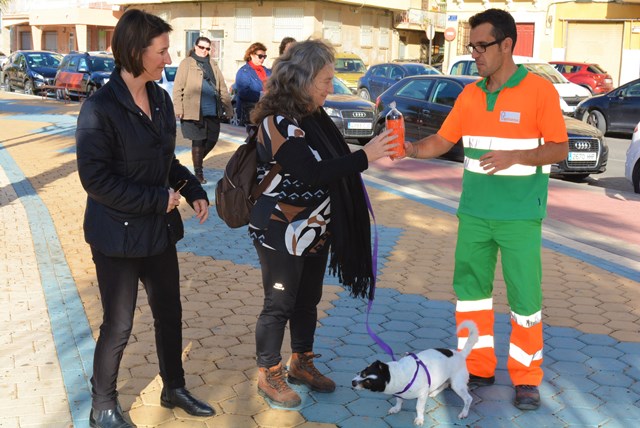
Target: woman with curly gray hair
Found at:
x=314, y=210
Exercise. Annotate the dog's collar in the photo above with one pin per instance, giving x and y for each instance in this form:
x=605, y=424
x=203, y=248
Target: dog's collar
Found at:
x=419, y=364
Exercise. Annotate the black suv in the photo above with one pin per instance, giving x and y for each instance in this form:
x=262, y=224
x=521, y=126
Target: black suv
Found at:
x=83, y=73
x=30, y=70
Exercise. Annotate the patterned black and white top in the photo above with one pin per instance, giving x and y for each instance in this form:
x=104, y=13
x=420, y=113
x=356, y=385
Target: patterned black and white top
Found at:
x=294, y=212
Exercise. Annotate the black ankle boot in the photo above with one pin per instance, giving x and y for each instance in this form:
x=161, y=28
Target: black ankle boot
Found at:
x=111, y=418
x=180, y=397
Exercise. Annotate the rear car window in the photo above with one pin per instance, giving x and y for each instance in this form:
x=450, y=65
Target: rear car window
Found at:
x=416, y=89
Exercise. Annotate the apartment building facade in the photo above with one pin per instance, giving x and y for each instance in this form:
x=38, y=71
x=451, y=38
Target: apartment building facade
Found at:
x=600, y=31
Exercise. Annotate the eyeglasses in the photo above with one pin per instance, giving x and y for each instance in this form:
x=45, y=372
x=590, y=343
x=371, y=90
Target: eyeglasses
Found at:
x=261, y=56
x=482, y=47
x=203, y=48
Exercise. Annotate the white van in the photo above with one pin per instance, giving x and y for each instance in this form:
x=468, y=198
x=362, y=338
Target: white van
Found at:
x=570, y=93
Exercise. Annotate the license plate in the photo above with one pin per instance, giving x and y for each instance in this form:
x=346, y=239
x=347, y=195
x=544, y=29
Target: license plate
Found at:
x=359, y=125
x=574, y=156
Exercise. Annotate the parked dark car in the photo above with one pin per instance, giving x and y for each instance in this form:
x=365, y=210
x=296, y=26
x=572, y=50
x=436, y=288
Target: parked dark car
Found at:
x=30, y=70
x=379, y=77
x=82, y=73
x=615, y=111
x=425, y=102
x=591, y=76
x=352, y=115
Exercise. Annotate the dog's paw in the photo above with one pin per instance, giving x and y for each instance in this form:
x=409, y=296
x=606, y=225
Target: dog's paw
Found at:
x=419, y=421
x=394, y=410
x=463, y=414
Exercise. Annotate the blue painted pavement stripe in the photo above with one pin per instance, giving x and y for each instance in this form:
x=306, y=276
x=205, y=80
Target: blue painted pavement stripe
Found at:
x=69, y=325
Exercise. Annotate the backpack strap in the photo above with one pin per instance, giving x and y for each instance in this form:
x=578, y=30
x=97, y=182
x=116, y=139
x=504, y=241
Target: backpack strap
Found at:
x=275, y=169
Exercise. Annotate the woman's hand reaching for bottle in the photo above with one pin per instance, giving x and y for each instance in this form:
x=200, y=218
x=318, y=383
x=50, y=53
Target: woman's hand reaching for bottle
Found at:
x=380, y=146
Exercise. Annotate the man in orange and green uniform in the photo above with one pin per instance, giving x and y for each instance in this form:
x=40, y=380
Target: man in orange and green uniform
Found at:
x=512, y=129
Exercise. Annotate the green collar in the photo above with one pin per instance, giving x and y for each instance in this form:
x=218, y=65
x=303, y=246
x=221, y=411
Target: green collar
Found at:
x=512, y=82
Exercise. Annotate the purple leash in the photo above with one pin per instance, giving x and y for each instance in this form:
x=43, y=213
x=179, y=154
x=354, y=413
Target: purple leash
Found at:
x=381, y=343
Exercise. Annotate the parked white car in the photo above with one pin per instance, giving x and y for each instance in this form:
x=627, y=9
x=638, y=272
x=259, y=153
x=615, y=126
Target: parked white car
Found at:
x=166, y=81
x=570, y=93
x=632, y=165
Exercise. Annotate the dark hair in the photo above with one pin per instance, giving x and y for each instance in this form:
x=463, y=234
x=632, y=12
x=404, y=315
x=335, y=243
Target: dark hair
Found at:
x=503, y=24
x=202, y=39
x=257, y=46
x=133, y=34
x=284, y=43
x=287, y=90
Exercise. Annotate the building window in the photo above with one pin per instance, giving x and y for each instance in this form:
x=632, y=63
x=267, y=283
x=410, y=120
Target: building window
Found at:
x=217, y=45
x=190, y=40
x=385, y=32
x=288, y=22
x=366, y=31
x=243, y=25
x=332, y=26
x=50, y=41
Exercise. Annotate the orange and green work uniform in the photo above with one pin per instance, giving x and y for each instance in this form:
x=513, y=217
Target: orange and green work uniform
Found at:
x=503, y=212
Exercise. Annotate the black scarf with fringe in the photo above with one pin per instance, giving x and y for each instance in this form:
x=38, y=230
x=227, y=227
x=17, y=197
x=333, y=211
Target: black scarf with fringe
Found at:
x=349, y=226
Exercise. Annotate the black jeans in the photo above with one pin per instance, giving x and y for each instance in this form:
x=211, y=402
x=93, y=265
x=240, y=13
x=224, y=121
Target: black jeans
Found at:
x=292, y=290
x=118, y=284
x=212, y=126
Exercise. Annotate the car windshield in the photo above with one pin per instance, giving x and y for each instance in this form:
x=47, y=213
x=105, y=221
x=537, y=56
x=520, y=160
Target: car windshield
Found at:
x=595, y=68
x=102, y=64
x=43, y=59
x=546, y=71
x=340, y=88
x=170, y=72
x=349, y=65
x=419, y=69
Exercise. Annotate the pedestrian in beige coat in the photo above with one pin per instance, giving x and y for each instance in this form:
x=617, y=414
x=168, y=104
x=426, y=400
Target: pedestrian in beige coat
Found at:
x=201, y=100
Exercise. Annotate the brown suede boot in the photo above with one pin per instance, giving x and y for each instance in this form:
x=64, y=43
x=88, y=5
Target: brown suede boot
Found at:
x=197, y=156
x=271, y=384
x=302, y=371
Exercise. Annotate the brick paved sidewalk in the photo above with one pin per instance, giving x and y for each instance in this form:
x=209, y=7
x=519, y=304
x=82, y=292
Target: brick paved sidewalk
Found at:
x=50, y=309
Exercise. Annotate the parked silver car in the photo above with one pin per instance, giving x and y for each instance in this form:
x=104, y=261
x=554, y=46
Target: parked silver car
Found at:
x=632, y=164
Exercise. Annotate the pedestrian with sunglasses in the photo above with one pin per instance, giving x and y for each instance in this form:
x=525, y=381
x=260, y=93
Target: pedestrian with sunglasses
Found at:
x=512, y=128
x=250, y=81
x=201, y=101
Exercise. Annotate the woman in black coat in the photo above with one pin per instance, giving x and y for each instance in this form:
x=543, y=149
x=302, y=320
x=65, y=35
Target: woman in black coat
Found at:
x=125, y=146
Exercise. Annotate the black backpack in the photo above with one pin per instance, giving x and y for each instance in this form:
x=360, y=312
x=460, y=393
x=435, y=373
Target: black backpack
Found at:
x=238, y=190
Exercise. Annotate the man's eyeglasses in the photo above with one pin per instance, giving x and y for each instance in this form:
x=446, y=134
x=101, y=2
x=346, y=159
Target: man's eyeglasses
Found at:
x=482, y=47
x=203, y=48
x=261, y=56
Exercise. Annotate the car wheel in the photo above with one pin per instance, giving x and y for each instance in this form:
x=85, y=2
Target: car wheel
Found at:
x=575, y=178
x=28, y=87
x=364, y=94
x=635, y=178
x=7, y=84
x=379, y=127
x=596, y=119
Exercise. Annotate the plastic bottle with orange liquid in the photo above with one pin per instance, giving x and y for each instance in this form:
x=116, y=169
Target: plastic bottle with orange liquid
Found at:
x=395, y=121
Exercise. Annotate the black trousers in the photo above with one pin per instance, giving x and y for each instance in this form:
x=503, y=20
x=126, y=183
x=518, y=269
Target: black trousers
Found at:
x=118, y=284
x=292, y=290
x=212, y=126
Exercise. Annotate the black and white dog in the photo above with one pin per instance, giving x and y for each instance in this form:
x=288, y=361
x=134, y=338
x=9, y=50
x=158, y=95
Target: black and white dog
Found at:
x=422, y=375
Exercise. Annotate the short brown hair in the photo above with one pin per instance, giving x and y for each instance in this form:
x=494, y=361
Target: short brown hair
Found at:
x=133, y=34
x=257, y=46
